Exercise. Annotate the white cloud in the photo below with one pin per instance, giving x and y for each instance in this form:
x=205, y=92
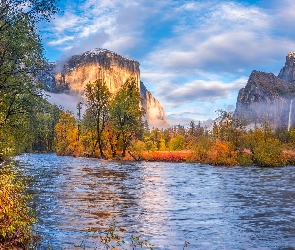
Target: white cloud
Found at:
x=66, y=22
x=61, y=40
x=189, y=51
x=199, y=90
x=65, y=101
x=231, y=38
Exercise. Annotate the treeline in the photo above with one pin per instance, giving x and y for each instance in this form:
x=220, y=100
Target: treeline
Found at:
x=112, y=127
x=230, y=141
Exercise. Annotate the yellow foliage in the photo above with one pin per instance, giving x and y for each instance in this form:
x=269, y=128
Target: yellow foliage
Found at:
x=269, y=153
x=66, y=131
x=222, y=154
x=15, y=218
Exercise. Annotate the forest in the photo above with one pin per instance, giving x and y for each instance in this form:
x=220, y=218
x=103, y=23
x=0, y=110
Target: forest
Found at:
x=116, y=130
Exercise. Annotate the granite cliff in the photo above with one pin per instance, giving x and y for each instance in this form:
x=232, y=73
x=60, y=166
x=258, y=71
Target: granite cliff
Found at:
x=287, y=73
x=95, y=64
x=155, y=115
x=267, y=97
x=72, y=76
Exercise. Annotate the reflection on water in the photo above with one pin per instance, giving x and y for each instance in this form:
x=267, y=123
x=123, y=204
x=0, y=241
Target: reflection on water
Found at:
x=211, y=207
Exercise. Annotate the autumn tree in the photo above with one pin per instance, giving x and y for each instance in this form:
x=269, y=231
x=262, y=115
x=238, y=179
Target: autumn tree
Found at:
x=177, y=143
x=269, y=153
x=230, y=128
x=66, y=131
x=126, y=114
x=98, y=99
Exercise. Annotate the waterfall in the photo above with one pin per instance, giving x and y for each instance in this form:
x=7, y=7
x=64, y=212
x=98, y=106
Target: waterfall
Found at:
x=290, y=112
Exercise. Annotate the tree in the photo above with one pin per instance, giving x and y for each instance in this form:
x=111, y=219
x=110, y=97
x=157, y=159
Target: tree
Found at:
x=44, y=122
x=177, y=143
x=126, y=114
x=79, y=108
x=202, y=147
x=20, y=58
x=66, y=134
x=269, y=153
x=98, y=101
x=230, y=128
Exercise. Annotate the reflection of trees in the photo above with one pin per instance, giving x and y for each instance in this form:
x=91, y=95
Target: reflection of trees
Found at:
x=98, y=194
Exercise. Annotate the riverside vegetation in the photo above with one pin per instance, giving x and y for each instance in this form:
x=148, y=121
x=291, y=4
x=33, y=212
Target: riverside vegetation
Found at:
x=112, y=128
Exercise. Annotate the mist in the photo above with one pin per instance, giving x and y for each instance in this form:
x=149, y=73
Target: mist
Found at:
x=66, y=101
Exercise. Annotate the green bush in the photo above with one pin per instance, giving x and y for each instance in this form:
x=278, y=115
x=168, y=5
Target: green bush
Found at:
x=177, y=143
x=244, y=159
x=269, y=153
x=201, y=148
x=136, y=150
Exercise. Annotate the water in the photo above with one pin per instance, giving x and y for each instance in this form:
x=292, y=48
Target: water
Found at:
x=167, y=203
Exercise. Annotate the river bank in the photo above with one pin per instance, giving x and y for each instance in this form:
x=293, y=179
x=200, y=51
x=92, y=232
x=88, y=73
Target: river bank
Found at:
x=218, y=156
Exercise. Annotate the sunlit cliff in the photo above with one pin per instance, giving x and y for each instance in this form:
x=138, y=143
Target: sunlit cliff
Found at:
x=73, y=75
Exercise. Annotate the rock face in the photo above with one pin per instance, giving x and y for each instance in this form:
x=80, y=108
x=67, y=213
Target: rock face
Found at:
x=114, y=70
x=288, y=72
x=155, y=114
x=95, y=64
x=267, y=97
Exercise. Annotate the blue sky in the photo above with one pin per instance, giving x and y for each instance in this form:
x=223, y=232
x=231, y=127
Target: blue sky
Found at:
x=194, y=55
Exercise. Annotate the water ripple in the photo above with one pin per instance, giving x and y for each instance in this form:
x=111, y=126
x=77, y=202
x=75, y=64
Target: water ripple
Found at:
x=211, y=207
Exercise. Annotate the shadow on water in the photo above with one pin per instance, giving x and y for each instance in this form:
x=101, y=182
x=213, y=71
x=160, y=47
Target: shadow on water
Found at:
x=211, y=207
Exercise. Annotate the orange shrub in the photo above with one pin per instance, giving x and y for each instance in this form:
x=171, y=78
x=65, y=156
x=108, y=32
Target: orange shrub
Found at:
x=165, y=156
x=222, y=154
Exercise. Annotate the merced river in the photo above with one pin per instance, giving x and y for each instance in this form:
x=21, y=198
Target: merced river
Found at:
x=166, y=203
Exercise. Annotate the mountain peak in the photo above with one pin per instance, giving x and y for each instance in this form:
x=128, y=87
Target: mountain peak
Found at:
x=290, y=55
x=114, y=70
x=287, y=73
x=267, y=97
x=102, y=52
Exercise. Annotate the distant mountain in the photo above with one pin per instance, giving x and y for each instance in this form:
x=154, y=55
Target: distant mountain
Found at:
x=73, y=75
x=267, y=97
x=287, y=73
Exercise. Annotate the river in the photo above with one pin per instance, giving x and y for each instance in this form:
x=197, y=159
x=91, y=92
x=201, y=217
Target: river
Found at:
x=166, y=203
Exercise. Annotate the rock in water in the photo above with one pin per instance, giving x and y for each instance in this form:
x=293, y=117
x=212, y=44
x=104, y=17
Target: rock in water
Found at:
x=73, y=75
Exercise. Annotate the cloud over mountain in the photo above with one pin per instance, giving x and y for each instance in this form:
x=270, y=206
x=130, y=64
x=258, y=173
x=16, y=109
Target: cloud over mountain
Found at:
x=190, y=51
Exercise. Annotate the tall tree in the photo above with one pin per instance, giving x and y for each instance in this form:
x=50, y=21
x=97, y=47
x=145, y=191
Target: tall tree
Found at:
x=126, y=114
x=44, y=123
x=20, y=58
x=98, y=100
x=66, y=134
